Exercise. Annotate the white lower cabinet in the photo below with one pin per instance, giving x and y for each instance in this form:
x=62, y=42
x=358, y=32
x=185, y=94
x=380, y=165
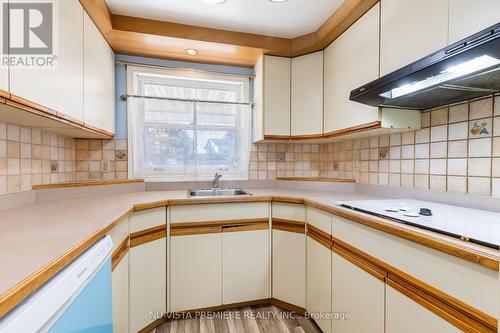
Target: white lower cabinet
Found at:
x=358, y=294
x=319, y=284
x=289, y=267
x=120, y=291
x=245, y=266
x=196, y=271
x=148, y=283
x=405, y=315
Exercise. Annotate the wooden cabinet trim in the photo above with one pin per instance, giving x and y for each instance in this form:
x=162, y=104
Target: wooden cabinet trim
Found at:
x=4, y=94
x=148, y=235
x=318, y=179
x=119, y=253
x=210, y=227
x=288, y=225
x=359, y=262
x=320, y=236
x=448, y=302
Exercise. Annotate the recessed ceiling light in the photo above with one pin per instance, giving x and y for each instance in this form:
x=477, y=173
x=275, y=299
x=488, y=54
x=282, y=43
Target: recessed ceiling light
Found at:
x=192, y=52
x=214, y=2
x=278, y=1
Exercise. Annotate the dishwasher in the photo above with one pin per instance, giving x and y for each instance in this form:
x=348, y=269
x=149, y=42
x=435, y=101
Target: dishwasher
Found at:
x=77, y=299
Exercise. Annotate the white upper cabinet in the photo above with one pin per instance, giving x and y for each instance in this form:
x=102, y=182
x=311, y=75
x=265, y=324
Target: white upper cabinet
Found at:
x=362, y=64
x=272, y=97
x=351, y=61
x=307, y=94
x=98, y=79
x=69, y=74
x=411, y=30
x=4, y=70
x=468, y=17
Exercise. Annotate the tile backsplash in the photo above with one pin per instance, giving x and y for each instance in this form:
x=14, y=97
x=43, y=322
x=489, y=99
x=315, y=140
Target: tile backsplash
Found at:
x=457, y=150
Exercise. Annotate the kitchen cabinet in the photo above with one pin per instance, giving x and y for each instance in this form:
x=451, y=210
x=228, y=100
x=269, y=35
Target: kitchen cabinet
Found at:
x=289, y=253
x=98, y=79
x=148, y=267
x=468, y=17
x=4, y=70
x=405, y=315
x=246, y=264
x=196, y=271
x=319, y=271
x=358, y=293
x=411, y=30
x=307, y=95
x=272, y=97
x=69, y=73
x=120, y=277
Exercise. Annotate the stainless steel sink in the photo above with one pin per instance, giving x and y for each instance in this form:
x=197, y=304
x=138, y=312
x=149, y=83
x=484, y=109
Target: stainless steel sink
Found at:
x=213, y=192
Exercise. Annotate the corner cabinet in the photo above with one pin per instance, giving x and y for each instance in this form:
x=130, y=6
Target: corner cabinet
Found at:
x=98, y=79
x=148, y=267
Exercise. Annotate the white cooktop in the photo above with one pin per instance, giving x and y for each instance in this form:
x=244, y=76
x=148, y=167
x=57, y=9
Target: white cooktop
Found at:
x=477, y=226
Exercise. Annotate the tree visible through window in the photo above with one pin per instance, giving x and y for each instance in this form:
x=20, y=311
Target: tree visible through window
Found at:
x=187, y=139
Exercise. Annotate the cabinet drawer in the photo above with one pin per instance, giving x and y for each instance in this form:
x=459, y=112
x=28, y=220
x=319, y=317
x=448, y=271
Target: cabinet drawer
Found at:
x=148, y=219
x=288, y=211
x=218, y=212
x=473, y=284
x=320, y=219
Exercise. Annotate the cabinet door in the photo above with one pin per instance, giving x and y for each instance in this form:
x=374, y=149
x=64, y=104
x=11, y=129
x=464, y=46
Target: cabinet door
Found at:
x=69, y=74
x=276, y=96
x=289, y=267
x=358, y=293
x=4, y=70
x=246, y=266
x=120, y=290
x=362, y=64
x=411, y=30
x=468, y=17
x=148, y=283
x=195, y=271
x=319, y=283
x=307, y=94
x=405, y=315
x=335, y=85
x=98, y=79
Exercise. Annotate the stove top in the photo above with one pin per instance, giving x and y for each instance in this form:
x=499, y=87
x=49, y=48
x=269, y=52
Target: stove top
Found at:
x=472, y=225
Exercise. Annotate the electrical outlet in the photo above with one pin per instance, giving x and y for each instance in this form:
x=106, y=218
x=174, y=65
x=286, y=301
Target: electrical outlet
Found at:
x=104, y=166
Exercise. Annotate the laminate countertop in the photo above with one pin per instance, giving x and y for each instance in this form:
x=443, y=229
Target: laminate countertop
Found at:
x=37, y=240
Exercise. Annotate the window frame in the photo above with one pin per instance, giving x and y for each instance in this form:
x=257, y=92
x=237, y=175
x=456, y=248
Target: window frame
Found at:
x=195, y=172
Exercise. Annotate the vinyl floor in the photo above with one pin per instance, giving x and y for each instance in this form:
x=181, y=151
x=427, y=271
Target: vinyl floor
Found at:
x=255, y=319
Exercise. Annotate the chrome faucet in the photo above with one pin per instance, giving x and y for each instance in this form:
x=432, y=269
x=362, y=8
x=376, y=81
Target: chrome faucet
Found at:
x=217, y=177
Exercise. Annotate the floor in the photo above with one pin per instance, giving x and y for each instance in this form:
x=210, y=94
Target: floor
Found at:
x=255, y=319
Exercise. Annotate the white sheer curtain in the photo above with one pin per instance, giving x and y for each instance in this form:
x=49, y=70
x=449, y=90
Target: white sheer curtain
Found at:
x=184, y=140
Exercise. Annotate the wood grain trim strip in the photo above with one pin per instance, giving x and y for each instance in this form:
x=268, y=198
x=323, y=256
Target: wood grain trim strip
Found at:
x=364, y=265
x=306, y=137
x=148, y=235
x=209, y=227
x=119, y=253
x=23, y=289
x=249, y=227
x=320, y=236
x=441, y=309
x=150, y=205
x=87, y=183
x=195, y=231
x=153, y=325
x=4, y=94
x=277, y=137
x=196, y=201
x=355, y=129
x=219, y=223
x=317, y=179
x=298, y=227
x=469, y=311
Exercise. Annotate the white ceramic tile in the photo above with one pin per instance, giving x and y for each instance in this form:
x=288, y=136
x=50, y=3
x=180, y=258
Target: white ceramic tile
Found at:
x=481, y=128
x=407, y=180
x=426, y=119
x=383, y=179
x=495, y=167
x=422, y=181
x=3, y=131
x=481, y=108
x=408, y=152
x=438, y=167
x=458, y=131
x=457, y=167
x=422, y=166
x=395, y=139
x=395, y=152
x=439, y=149
x=395, y=179
x=497, y=106
x=407, y=166
x=480, y=167
x=439, y=117
x=437, y=183
x=457, y=184
x=459, y=112
x=422, y=150
x=457, y=148
x=495, y=187
x=12, y=132
x=408, y=138
x=395, y=166
x=480, y=147
x=479, y=186
x=439, y=133
x=423, y=135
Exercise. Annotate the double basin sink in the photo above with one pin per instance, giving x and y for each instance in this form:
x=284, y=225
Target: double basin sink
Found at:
x=215, y=192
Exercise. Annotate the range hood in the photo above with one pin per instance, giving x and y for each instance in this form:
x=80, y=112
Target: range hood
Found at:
x=465, y=70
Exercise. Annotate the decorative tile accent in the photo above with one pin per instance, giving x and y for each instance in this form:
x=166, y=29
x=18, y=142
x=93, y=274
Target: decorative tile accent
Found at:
x=480, y=128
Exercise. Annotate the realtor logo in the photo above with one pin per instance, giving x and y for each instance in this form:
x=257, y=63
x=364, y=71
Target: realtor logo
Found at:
x=30, y=28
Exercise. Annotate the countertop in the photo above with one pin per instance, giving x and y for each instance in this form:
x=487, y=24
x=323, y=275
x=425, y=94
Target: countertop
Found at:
x=37, y=240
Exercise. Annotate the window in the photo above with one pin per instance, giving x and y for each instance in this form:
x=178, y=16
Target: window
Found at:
x=185, y=137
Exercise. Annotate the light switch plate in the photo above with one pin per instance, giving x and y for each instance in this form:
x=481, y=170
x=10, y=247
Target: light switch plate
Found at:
x=104, y=166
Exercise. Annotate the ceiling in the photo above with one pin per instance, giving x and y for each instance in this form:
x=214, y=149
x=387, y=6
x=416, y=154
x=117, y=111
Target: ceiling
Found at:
x=289, y=19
